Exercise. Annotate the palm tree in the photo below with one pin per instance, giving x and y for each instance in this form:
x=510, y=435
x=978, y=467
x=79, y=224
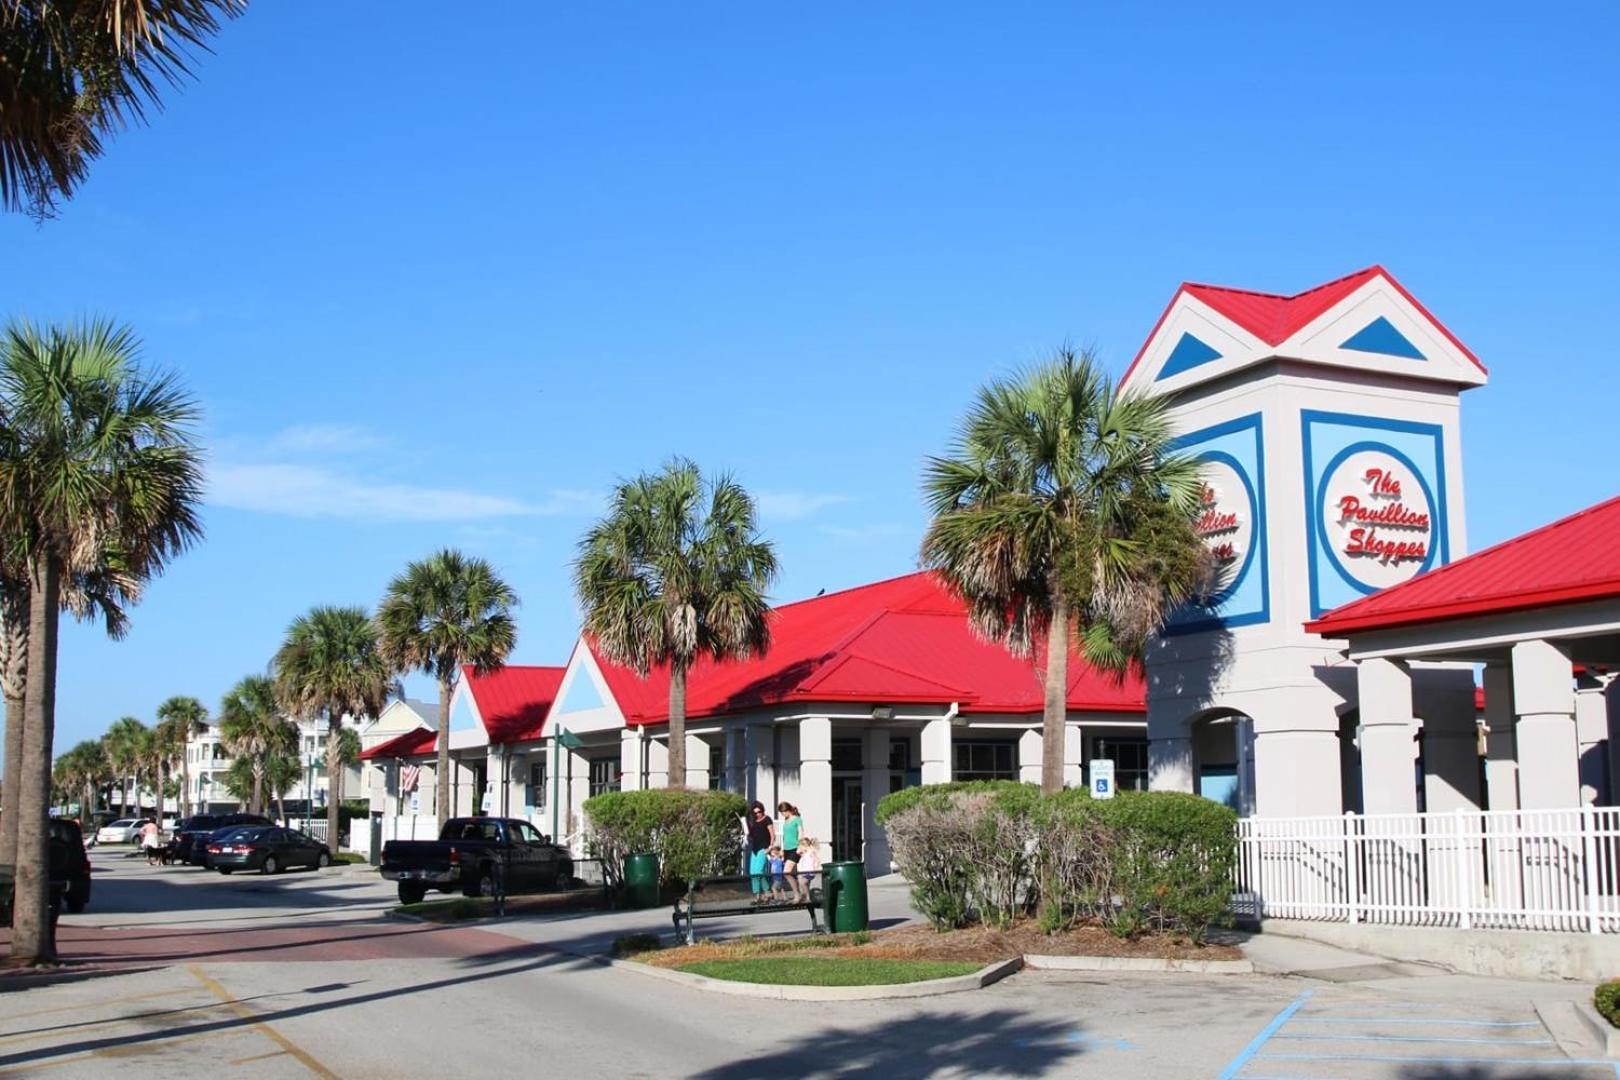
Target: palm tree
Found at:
x=124, y=744
x=79, y=71
x=254, y=731
x=85, y=768
x=281, y=773
x=181, y=719
x=98, y=474
x=442, y=614
x=1063, y=512
x=331, y=665
x=675, y=571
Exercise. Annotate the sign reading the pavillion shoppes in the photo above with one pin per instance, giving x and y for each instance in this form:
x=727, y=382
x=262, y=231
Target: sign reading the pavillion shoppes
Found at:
x=1231, y=523
x=1376, y=503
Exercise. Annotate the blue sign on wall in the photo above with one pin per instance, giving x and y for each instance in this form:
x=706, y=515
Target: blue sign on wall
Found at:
x=1233, y=525
x=1375, y=504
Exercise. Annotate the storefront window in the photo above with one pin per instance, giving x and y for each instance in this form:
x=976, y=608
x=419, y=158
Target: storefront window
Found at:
x=604, y=775
x=986, y=761
x=537, y=783
x=1130, y=757
x=717, y=768
x=846, y=755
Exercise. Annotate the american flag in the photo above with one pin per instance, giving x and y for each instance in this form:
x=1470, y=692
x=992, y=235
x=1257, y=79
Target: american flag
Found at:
x=408, y=775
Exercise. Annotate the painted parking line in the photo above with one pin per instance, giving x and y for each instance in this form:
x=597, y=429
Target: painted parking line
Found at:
x=1248, y=1052
x=1414, y=1039
x=1306, y=1018
x=1401, y=1059
x=303, y=1057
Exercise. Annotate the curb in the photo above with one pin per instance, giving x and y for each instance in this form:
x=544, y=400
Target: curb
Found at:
x=1139, y=963
x=928, y=988
x=1608, y=1036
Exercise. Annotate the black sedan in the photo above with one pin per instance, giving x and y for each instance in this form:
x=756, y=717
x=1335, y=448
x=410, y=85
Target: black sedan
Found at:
x=267, y=849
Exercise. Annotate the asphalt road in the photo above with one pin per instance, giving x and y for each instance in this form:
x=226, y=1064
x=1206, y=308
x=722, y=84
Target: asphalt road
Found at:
x=302, y=974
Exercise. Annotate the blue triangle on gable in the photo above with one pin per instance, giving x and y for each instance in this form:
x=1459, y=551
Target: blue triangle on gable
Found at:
x=582, y=694
x=1380, y=336
x=1188, y=354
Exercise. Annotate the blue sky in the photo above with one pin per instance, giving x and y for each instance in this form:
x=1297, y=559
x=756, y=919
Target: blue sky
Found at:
x=442, y=283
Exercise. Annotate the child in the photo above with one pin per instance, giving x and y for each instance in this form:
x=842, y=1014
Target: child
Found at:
x=809, y=863
x=779, y=884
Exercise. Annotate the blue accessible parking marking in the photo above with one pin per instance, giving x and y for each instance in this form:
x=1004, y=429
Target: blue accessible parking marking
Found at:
x=1311, y=1039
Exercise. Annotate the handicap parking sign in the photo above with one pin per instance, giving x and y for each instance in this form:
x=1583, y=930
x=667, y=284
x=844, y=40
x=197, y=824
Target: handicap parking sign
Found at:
x=1102, y=778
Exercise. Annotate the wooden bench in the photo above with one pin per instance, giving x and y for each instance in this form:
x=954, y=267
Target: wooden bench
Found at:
x=730, y=897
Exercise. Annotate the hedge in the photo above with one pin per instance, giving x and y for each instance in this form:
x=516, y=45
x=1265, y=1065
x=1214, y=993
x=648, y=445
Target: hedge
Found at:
x=694, y=833
x=993, y=851
x=1606, y=999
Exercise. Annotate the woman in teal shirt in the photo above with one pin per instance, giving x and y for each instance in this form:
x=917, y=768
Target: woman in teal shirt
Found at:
x=787, y=830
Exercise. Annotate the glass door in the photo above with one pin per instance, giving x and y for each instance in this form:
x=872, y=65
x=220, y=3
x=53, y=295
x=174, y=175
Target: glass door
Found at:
x=847, y=841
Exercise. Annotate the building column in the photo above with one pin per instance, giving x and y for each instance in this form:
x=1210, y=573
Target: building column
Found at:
x=1501, y=759
x=874, y=785
x=937, y=761
x=1170, y=752
x=630, y=775
x=1029, y=757
x=1450, y=741
x=1544, y=700
x=697, y=763
x=657, y=763
x=1611, y=697
x=815, y=780
x=1074, y=755
x=760, y=777
x=1388, y=753
x=579, y=789
x=736, y=760
x=1592, y=738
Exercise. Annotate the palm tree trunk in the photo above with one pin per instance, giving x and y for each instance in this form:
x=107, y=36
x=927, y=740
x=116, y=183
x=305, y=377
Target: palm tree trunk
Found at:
x=334, y=780
x=258, y=786
x=1057, y=698
x=13, y=681
x=11, y=785
x=32, y=940
x=442, y=779
x=677, y=725
x=183, y=807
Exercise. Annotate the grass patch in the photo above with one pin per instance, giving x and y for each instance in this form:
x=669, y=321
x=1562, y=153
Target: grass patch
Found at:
x=787, y=970
x=348, y=857
x=1606, y=999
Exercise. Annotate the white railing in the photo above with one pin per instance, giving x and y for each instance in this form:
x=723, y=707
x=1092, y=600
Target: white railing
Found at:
x=410, y=827
x=1518, y=870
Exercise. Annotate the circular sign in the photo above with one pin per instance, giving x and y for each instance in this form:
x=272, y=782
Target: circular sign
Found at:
x=1377, y=517
x=1226, y=521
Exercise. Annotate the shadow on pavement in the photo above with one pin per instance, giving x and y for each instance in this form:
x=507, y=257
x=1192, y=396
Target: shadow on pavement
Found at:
x=998, y=1043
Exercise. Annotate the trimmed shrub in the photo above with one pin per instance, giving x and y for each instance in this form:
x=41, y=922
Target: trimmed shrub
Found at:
x=992, y=851
x=1606, y=999
x=1173, y=860
x=694, y=833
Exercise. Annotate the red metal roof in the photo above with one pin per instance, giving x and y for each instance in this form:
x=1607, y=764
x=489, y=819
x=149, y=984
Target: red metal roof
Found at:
x=904, y=640
x=1274, y=318
x=514, y=701
x=419, y=741
x=1572, y=560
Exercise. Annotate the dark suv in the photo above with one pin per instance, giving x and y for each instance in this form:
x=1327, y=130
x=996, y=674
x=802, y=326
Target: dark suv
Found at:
x=191, y=835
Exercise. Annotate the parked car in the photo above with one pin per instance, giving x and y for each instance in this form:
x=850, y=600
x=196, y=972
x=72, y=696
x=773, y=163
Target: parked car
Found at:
x=123, y=831
x=470, y=853
x=192, y=835
x=268, y=849
x=70, y=864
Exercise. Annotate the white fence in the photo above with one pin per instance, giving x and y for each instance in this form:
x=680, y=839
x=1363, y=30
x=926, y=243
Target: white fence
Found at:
x=1518, y=870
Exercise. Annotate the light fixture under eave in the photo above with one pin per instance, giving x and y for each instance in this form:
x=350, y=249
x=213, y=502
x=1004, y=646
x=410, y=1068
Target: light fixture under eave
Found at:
x=882, y=712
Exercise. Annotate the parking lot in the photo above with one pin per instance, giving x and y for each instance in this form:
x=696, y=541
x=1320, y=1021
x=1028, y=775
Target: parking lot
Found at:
x=304, y=974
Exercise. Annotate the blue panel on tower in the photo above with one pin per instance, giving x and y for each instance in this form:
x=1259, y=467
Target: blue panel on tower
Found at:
x=1188, y=354
x=1380, y=336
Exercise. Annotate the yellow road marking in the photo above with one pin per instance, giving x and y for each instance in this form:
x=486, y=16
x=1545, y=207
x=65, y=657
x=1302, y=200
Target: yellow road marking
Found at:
x=121, y=998
x=257, y=1057
x=269, y=1032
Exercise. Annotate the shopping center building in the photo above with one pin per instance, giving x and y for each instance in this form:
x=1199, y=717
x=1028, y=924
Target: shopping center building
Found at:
x=1332, y=670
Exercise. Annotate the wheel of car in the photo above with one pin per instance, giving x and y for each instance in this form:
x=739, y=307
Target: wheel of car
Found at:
x=224, y=870
x=483, y=886
x=270, y=865
x=411, y=892
x=322, y=861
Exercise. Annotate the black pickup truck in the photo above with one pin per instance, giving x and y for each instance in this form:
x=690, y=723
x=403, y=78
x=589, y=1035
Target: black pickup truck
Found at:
x=474, y=855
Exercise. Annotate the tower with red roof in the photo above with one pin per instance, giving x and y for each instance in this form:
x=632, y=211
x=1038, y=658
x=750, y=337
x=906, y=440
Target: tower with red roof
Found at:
x=1328, y=424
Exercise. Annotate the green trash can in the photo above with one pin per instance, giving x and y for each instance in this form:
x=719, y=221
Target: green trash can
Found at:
x=641, y=880
x=844, y=892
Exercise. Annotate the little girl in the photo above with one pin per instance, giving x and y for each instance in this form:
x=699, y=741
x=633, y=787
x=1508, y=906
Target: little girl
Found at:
x=780, y=889
x=809, y=863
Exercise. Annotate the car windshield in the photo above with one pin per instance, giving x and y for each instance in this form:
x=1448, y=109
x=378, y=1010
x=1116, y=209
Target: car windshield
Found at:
x=232, y=832
x=122, y=823
x=198, y=824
